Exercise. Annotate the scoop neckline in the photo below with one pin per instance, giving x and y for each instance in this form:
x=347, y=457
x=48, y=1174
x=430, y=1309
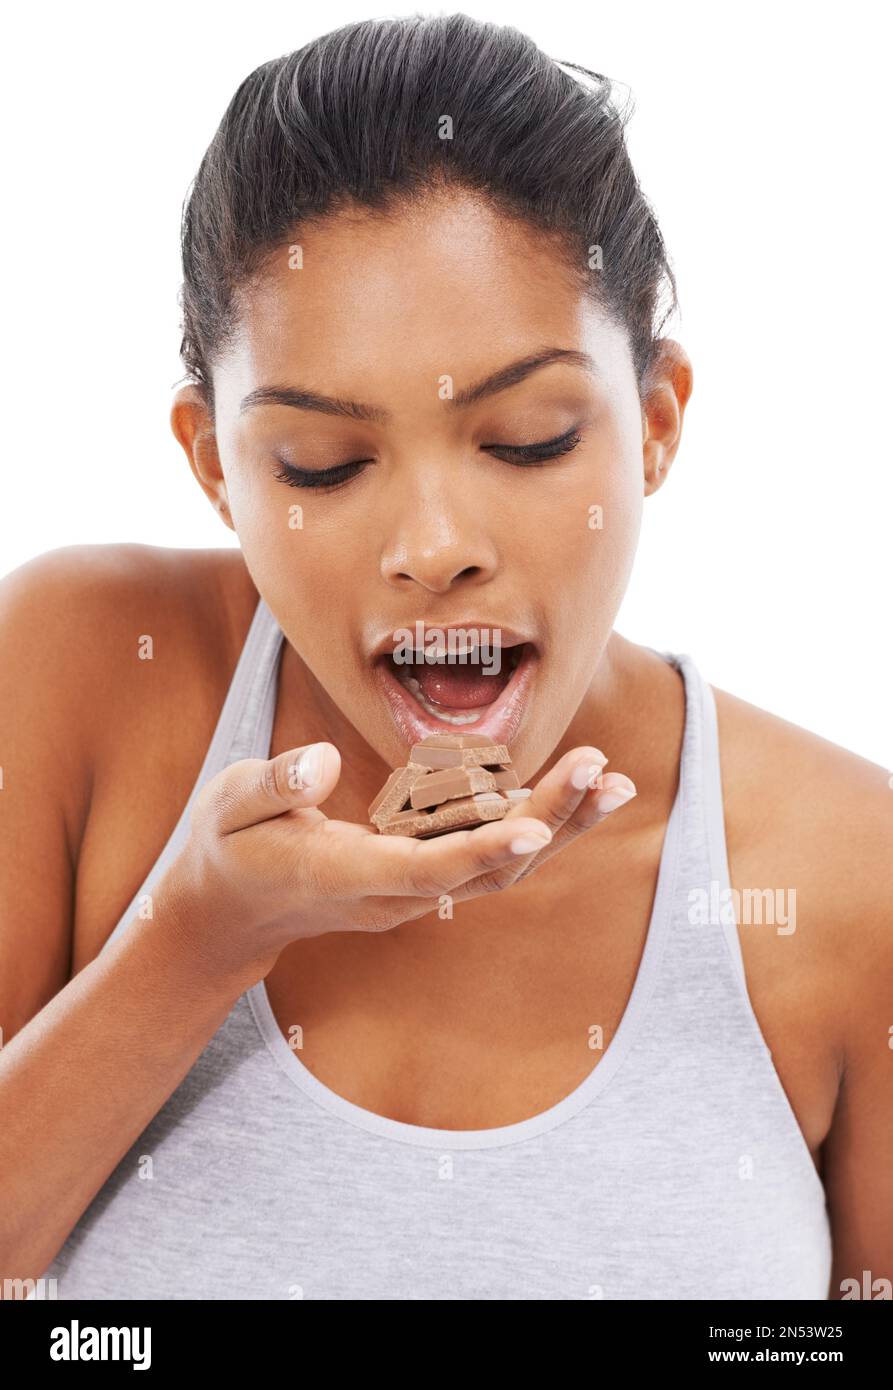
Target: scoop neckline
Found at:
x=592, y=1085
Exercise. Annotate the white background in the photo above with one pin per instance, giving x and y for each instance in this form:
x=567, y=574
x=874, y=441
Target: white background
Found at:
x=761, y=136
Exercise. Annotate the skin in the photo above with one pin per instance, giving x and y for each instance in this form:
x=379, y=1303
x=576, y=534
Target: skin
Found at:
x=482, y=1020
x=432, y=507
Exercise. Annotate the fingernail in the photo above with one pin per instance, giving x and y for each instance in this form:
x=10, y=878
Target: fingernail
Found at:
x=614, y=797
x=529, y=844
x=585, y=774
x=310, y=766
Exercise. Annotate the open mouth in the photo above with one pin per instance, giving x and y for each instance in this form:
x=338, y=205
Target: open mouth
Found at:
x=460, y=692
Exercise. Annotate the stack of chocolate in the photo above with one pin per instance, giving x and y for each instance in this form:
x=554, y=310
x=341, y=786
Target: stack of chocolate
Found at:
x=451, y=782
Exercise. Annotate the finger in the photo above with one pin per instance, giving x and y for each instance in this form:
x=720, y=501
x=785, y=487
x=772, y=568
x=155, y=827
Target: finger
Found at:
x=253, y=790
x=383, y=914
x=613, y=791
x=385, y=865
x=594, y=804
x=557, y=795
x=489, y=857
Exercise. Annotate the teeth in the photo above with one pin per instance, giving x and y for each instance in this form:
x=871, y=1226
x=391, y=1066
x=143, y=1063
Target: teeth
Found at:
x=442, y=653
x=414, y=689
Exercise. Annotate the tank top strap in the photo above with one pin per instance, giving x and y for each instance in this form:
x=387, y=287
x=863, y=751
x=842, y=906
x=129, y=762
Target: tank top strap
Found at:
x=247, y=726
x=714, y=822
x=706, y=874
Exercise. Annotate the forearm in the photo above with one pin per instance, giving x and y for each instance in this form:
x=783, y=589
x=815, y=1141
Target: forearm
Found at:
x=80, y=1082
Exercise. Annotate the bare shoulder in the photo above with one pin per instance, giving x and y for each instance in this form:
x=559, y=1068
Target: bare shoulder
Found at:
x=803, y=813
x=76, y=585
x=115, y=656
x=105, y=619
x=833, y=805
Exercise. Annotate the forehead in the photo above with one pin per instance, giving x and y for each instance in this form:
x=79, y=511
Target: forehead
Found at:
x=444, y=285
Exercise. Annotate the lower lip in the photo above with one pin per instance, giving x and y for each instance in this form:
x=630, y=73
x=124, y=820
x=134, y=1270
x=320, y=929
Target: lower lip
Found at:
x=500, y=720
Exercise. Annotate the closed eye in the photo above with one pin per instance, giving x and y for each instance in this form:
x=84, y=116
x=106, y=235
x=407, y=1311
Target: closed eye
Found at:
x=537, y=453
x=319, y=477
x=522, y=455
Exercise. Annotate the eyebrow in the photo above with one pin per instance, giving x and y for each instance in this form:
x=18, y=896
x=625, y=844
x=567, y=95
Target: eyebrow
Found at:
x=500, y=380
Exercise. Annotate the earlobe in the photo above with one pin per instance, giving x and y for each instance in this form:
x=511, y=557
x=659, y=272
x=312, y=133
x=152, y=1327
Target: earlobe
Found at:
x=670, y=385
x=223, y=508
x=663, y=422
x=657, y=466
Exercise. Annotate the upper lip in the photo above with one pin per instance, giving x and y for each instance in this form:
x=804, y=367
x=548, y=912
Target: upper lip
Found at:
x=496, y=633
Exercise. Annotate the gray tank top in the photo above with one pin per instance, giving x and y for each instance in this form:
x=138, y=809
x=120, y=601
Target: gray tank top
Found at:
x=675, y=1170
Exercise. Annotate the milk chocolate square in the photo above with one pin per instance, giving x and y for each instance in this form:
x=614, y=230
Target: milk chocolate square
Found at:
x=450, y=784
x=437, y=757
x=461, y=814
x=394, y=795
x=456, y=741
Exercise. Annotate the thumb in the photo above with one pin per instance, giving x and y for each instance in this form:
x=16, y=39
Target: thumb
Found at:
x=257, y=789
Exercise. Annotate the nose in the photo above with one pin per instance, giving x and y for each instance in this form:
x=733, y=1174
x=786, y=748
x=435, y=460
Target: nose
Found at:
x=435, y=543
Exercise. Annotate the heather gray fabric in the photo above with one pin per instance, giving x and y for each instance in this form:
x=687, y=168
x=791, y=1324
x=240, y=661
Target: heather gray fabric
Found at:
x=675, y=1170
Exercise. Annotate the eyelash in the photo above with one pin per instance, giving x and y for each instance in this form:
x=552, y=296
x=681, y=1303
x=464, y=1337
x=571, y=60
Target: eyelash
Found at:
x=523, y=456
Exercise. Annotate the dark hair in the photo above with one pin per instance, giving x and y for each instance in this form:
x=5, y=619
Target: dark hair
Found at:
x=354, y=118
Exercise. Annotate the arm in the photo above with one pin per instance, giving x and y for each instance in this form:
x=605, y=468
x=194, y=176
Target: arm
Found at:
x=80, y=1082
x=83, y=1065
x=858, y=1171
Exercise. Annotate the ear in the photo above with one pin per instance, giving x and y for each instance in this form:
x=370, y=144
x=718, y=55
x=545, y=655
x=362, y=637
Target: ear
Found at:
x=194, y=429
x=668, y=387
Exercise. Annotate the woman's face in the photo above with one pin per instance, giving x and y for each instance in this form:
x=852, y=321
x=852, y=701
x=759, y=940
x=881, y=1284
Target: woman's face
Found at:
x=394, y=342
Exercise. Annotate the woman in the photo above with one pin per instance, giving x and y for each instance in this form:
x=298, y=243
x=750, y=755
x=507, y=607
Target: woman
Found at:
x=422, y=298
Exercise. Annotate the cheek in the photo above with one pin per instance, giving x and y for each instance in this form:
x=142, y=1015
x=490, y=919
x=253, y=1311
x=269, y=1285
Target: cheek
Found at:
x=298, y=553
x=309, y=579
x=268, y=520
x=583, y=528
x=582, y=548
x=614, y=515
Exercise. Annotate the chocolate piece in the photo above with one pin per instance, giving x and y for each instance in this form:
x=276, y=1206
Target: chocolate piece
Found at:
x=456, y=741
x=394, y=795
x=449, y=784
x=482, y=755
x=462, y=814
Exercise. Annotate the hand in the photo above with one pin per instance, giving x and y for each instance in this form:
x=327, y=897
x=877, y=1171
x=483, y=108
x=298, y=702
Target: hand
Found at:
x=263, y=866
x=573, y=796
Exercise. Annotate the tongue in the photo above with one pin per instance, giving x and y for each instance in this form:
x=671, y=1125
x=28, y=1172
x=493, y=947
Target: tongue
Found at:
x=460, y=686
